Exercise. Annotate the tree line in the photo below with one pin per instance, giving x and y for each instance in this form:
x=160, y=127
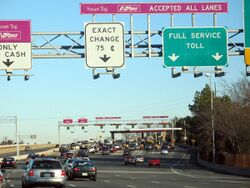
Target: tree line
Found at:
x=231, y=116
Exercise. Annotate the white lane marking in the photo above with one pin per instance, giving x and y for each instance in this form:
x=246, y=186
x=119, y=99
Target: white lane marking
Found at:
x=133, y=172
x=132, y=178
x=72, y=185
x=107, y=181
x=11, y=185
x=117, y=175
x=131, y=186
x=186, y=186
x=156, y=182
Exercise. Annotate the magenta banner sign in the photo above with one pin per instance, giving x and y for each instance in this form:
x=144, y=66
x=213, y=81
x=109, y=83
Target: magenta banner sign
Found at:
x=153, y=8
x=15, y=31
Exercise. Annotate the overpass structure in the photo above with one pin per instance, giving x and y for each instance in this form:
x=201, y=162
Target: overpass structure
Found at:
x=149, y=124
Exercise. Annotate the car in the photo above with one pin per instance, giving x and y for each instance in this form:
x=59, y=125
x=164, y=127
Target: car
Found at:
x=92, y=150
x=69, y=154
x=134, y=160
x=30, y=157
x=84, y=152
x=8, y=162
x=164, y=149
x=68, y=164
x=106, y=150
x=82, y=169
x=27, y=148
x=44, y=172
x=2, y=180
x=126, y=152
x=154, y=162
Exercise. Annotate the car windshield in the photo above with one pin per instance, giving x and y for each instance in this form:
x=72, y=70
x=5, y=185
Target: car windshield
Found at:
x=46, y=165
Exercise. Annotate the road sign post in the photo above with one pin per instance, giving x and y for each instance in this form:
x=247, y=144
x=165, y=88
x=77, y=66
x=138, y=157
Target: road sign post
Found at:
x=104, y=44
x=247, y=30
x=195, y=46
x=15, y=45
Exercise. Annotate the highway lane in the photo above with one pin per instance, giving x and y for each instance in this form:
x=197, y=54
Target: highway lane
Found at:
x=176, y=171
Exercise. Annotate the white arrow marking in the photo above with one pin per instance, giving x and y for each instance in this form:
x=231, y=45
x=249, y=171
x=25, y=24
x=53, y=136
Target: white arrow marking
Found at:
x=173, y=57
x=217, y=56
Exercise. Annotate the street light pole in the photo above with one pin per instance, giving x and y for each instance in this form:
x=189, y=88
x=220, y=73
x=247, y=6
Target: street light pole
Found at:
x=17, y=137
x=212, y=115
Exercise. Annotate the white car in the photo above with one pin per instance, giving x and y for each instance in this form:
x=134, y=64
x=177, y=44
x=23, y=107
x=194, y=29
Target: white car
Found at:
x=92, y=150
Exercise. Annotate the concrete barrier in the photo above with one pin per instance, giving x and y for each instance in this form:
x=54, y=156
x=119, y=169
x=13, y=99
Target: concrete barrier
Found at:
x=225, y=169
x=12, y=149
x=22, y=157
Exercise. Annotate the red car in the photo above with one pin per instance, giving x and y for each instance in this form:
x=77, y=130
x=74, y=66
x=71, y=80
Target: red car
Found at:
x=8, y=162
x=154, y=162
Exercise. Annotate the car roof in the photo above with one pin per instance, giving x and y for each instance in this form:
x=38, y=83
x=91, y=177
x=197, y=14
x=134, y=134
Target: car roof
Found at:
x=45, y=159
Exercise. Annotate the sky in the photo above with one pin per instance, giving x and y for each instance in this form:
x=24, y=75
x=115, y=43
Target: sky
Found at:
x=64, y=88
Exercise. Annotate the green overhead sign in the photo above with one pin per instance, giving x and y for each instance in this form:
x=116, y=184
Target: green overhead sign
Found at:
x=196, y=46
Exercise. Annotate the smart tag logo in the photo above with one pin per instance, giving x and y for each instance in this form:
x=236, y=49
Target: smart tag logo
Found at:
x=129, y=8
x=10, y=35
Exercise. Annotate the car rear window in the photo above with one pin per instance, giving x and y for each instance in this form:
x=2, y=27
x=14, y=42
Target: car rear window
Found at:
x=83, y=163
x=46, y=165
x=8, y=159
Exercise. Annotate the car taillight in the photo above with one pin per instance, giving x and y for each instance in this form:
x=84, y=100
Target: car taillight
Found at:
x=31, y=173
x=92, y=169
x=76, y=169
x=63, y=173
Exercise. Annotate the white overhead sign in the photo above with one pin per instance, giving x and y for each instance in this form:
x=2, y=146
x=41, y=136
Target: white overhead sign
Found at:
x=104, y=45
x=15, y=45
x=14, y=56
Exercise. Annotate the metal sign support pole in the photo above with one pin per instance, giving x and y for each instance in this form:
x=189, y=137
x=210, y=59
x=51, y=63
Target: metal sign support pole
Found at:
x=132, y=35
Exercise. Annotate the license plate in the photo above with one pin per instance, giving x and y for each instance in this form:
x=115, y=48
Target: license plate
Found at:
x=46, y=174
x=84, y=174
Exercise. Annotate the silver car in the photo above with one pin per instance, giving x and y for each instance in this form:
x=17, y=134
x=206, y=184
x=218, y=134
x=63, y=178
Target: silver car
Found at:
x=2, y=180
x=44, y=172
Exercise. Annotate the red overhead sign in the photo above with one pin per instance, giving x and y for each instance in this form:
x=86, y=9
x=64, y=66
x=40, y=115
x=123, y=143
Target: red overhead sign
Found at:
x=154, y=117
x=67, y=121
x=15, y=31
x=82, y=120
x=153, y=8
x=107, y=118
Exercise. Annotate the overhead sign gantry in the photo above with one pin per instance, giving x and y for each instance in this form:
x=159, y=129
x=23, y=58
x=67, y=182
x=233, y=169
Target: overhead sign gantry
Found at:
x=138, y=43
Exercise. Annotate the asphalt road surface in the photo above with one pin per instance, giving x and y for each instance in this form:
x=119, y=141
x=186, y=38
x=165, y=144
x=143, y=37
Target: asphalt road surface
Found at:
x=176, y=171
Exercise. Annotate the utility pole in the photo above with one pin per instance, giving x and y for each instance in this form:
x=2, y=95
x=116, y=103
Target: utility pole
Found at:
x=212, y=115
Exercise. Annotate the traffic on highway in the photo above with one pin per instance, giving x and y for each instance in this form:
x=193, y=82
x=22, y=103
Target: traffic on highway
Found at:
x=75, y=165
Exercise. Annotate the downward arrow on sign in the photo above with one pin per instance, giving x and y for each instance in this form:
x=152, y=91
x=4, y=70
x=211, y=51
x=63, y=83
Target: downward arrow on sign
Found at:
x=173, y=57
x=217, y=56
x=8, y=62
x=105, y=58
